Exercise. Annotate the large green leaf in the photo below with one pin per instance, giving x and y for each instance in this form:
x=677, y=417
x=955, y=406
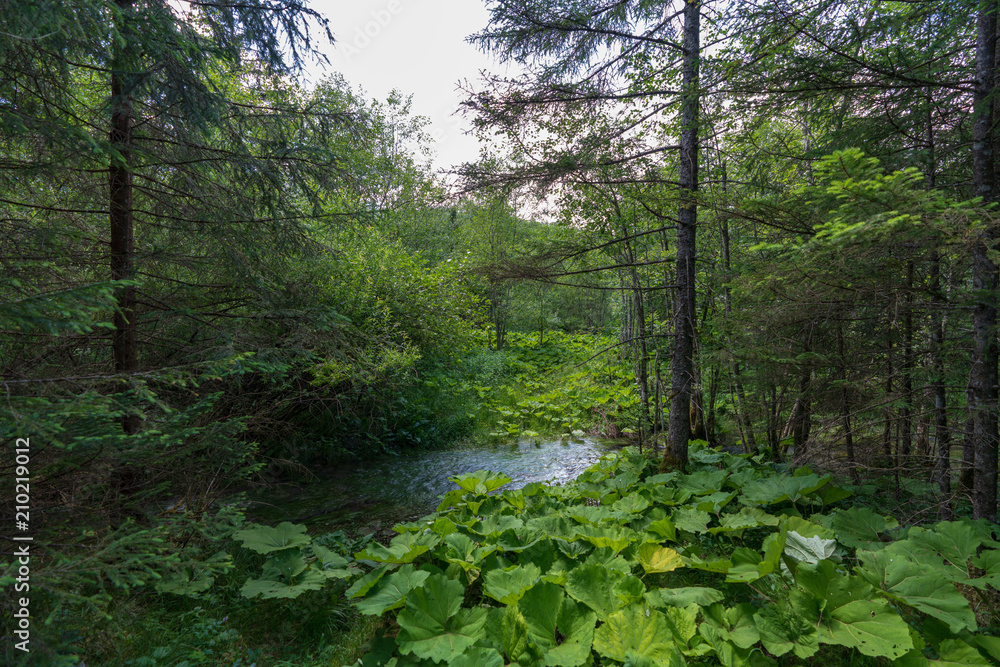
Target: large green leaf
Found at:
x=638, y=632
x=656, y=559
x=747, y=517
x=614, y=537
x=601, y=589
x=917, y=586
x=507, y=586
x=432, y=624
x=683, y=597
x=478, y=657
x=576, y=624
x=859, y=526
x=808, y=549
x=265, y=539
x=390, y=592
x=846, y=612
x=782, y=629
x=403, y=548
x=481, y=481
x=691, y=519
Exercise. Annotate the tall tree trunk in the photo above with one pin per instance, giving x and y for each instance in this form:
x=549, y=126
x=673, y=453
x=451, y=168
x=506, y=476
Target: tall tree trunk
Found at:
x=983, y=373
x=845, y=404
x=125, y=339
x=682, y=363
x=906, y=414
x=942, y=464
x=802, y=410
x=887, y=411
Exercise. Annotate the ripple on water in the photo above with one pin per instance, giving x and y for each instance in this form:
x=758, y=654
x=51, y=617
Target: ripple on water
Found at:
x=413, y=482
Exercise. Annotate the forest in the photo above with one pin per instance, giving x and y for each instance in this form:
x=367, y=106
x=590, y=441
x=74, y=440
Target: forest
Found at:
x=749, y=247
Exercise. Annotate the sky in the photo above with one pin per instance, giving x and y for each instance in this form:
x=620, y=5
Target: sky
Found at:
x=417, y=47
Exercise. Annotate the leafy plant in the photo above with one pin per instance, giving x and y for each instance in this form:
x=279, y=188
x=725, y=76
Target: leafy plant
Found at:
x=734, y=562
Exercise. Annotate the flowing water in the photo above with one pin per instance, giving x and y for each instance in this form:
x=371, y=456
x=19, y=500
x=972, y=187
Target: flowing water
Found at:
x=376, y=494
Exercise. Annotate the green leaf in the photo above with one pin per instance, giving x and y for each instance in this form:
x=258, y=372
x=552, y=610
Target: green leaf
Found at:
x=481, y=481
x=478, y=657
x=747, y=517
x=576, y=623
x=265, y=539
x=655, y=558
x=683, y=597
x=367, y=582
x=917, y=586
x=599, y=588
x=859, y=527
x=808, y=549
x=845, y=612
x=432, y=624
x=782, y=629
x=507, y=586
x=692, y=520
x=390, y=593
x=310, y=580
x=616, y=538
x=637, y=632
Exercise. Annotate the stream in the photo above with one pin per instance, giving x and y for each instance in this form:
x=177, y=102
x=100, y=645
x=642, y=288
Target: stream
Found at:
x=372, y=496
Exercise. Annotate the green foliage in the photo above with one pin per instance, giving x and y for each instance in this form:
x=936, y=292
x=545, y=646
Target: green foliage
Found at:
x=589, y=571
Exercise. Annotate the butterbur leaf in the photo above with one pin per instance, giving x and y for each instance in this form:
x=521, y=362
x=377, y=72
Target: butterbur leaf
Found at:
x=847, y=613
x=783, y=630
x=403, y=548
x=916, y=586
x=327, y=559
x=478, y=657
x=507, y=586
x=655, y=558
x=747, y=517
x=481, y=481
x=859, y=527
x=808, y=549
x=637, y=632
x=390, y=593
x=683, y=597
x=367, y=582
x=433, y=625
x=596, y=587
x=576, y=623
x=663, y=528
x=265, y=539
x=613, y=537
x=691, y=519
x=957, y=653
x=539, y=606
x=515, y=633
x=630, y=504
x=310, y=580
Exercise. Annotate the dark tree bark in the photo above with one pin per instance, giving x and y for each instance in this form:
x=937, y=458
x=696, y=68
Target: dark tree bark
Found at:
x=125, y=339
x=983, y=373
x=906, y=414
x=682, y=363
x=942, y=464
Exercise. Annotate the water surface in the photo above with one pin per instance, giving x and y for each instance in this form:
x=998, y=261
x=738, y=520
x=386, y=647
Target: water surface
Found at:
x=407, y=486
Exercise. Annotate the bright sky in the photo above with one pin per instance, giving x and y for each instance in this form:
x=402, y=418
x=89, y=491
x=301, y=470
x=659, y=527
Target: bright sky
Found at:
x=417, y=47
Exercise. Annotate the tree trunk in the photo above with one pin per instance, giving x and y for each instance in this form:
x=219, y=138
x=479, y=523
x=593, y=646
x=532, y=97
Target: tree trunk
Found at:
x=906, y=414
x=845, y=404
x=125, y=339
x=942, y=464
x=682, y=363
x=983, y=373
